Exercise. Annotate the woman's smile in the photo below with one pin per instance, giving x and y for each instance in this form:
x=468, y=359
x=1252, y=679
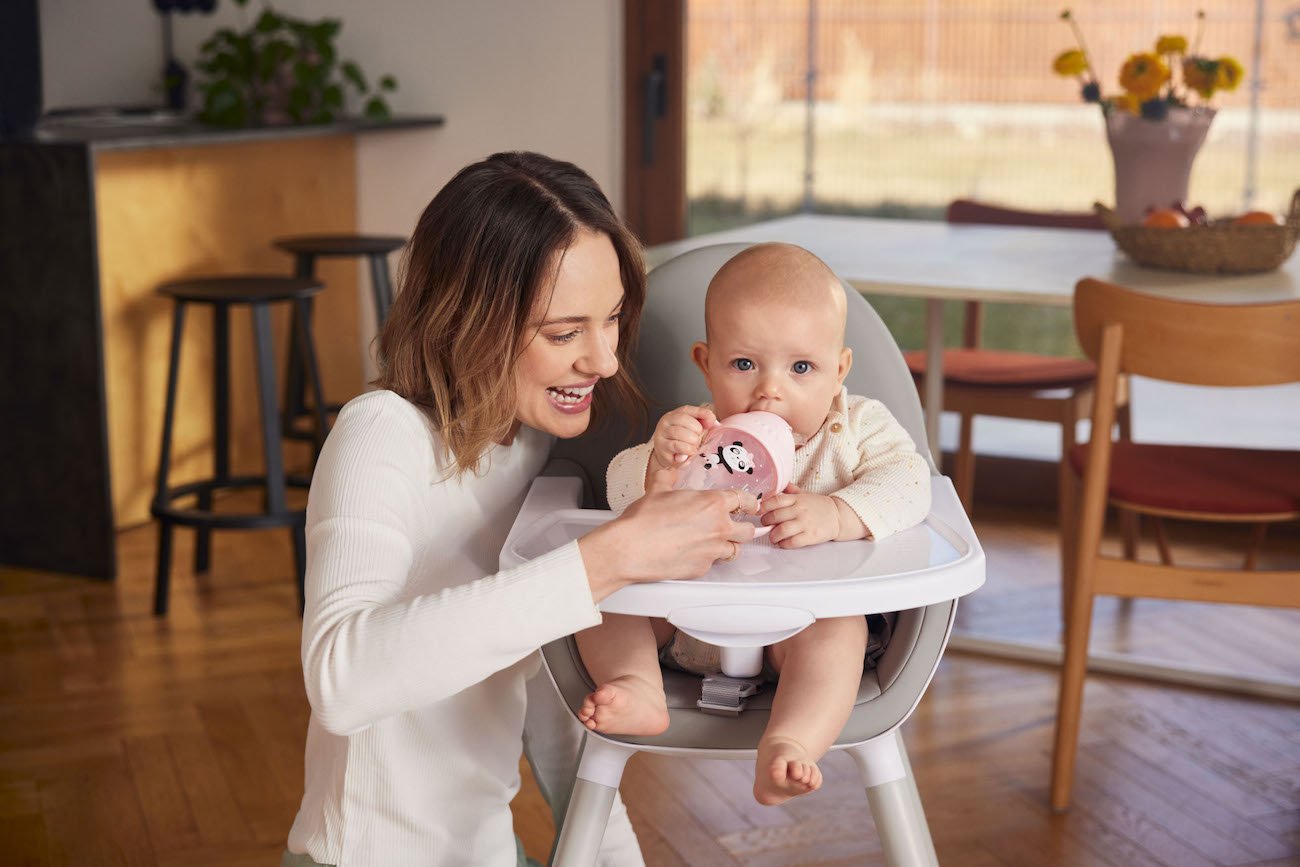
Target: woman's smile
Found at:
x=571, y=398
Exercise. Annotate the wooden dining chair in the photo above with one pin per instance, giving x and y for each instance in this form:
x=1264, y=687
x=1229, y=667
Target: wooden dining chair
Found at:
x=1126, y=332
x=1019, y=385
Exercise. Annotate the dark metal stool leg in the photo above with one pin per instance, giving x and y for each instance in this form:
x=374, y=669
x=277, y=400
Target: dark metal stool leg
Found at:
x=294, y=406
x=162, y=576
x=264, y=349
x=264, y=352
x=381, y=286
x=220, y=429
x=307, y=347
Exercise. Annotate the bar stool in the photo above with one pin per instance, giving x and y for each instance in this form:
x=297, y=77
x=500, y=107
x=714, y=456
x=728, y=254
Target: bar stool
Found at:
x=306, y=249
x=258, y=293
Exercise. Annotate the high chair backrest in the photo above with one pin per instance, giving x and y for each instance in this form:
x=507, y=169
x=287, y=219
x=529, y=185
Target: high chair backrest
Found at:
x=674, y=319
x=1178, y=341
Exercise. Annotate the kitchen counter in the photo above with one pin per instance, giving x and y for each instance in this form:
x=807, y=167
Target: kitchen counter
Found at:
x=95, y=212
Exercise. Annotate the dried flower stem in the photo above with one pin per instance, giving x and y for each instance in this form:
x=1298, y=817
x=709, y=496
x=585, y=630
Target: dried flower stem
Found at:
x=1078, y=37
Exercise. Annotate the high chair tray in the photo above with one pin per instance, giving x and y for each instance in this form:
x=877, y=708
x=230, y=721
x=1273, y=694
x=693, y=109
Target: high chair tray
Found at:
x=939, y=559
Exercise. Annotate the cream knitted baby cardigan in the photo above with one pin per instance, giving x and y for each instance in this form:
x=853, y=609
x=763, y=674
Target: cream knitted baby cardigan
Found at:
x=860, y=455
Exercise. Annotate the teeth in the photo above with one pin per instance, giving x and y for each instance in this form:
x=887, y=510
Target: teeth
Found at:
x=571, y=395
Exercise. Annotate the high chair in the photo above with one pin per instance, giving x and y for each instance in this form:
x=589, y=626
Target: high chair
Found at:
x=763, y=596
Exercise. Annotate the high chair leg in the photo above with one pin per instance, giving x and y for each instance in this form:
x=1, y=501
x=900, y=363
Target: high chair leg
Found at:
x=894, y=801
x=599, y=773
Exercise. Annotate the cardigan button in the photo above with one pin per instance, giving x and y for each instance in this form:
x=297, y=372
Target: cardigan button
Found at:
x=836, y=427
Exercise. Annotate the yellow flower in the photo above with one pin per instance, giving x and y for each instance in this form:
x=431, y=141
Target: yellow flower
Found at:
x=1143, y=74
x=1070, y=63
x=1171, y=45
x=1200, y=75
x=1228, y=74
x=1127, y=102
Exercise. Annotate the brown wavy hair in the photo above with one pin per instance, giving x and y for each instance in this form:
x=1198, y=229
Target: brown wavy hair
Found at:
x=485, y=249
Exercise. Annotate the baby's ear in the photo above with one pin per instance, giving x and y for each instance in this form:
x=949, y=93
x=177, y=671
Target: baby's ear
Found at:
x=700, y=355
x=846, y=362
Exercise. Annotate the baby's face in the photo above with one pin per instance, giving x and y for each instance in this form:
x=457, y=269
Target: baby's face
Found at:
x=778, y=357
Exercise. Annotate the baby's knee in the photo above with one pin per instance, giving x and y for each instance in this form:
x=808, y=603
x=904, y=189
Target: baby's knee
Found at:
x=836, y=630
x=829, y=637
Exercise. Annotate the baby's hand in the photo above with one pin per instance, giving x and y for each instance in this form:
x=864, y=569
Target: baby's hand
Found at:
x=676, y=438
x=800, y=519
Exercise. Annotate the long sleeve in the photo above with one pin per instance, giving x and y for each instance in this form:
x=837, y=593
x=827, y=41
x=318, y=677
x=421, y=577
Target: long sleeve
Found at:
x=402, y=611
x=625, y=478
x=890, y=490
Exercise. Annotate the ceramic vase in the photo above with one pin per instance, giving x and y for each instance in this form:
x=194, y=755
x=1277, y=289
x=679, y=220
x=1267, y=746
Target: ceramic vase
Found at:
x=1153, y=158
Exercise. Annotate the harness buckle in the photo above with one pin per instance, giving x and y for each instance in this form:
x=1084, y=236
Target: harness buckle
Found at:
x=726, y=696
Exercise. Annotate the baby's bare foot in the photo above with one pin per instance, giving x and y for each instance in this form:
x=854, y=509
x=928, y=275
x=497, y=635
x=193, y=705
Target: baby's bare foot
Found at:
x=626, y=705
x=784, y=770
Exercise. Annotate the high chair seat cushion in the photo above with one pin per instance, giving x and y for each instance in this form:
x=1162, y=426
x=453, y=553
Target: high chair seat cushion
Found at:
x=990, y=368
x=1201, y=479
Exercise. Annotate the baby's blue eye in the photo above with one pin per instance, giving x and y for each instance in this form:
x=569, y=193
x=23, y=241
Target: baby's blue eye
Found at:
x=743, y=364
x=801, y=367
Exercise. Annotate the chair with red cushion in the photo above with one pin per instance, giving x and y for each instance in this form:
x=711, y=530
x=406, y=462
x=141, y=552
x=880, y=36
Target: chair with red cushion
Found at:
x=1018, y=385
x=1186, y=342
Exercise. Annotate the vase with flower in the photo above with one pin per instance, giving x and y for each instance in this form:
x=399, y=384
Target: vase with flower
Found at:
x=1156, y=125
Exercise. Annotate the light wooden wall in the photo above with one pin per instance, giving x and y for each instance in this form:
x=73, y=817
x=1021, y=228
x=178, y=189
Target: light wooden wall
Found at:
x=165, y=214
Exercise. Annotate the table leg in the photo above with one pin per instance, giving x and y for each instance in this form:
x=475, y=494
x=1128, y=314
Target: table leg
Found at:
x=933, y=374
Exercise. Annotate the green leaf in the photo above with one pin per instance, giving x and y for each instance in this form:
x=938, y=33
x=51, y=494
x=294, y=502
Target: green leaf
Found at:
x=377, y=109
x=272, y=55
x=328, y=56
x=332, y=96
x=224, y=106
x=268, y=22
x=352, y=73
x=388, y=83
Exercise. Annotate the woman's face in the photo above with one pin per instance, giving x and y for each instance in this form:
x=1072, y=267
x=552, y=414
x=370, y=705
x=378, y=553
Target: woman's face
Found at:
x=571, y=339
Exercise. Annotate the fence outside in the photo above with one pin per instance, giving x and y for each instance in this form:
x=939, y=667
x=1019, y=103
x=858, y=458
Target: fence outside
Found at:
x=916, y=103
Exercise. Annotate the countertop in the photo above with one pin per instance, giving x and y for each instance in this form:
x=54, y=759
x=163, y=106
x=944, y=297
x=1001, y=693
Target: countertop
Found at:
x=110, y=130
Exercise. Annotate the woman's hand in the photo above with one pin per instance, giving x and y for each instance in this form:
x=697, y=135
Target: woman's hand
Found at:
x=666, y=535
x=677, y=436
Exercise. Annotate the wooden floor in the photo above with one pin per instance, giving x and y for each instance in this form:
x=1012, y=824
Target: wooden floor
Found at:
x=126, y=739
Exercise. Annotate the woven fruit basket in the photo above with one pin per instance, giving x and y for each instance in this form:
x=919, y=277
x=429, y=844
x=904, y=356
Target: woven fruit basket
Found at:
x=1221, y=247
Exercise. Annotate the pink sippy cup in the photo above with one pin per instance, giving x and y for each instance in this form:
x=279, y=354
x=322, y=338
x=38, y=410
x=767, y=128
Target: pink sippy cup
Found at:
x=750, y=451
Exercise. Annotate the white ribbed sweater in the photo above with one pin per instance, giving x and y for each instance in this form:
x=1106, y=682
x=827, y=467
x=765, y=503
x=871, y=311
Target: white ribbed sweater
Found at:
x=415, y=647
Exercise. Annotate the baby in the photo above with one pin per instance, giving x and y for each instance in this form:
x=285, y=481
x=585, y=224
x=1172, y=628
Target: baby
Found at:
x=774, y=320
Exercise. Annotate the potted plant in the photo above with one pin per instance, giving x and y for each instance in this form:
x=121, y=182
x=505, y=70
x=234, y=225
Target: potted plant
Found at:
x=282, y=70
x=1156, y=125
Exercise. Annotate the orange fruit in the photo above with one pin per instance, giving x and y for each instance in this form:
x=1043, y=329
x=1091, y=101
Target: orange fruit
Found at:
x=1165, y=218
x=1255, y=218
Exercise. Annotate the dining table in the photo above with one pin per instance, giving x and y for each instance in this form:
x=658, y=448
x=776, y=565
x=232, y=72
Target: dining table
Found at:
x=939, y=262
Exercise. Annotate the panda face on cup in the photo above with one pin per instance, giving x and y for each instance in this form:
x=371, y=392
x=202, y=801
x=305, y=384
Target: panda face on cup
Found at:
x=751, y=452
x=734, y=458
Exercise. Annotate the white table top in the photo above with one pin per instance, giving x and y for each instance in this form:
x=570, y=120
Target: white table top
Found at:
x=937, y=260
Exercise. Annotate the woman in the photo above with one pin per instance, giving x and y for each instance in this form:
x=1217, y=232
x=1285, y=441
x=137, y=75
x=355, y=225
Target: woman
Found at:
x=520, y=298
